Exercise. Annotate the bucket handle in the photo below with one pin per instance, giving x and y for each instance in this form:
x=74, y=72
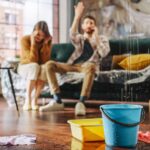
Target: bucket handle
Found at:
x=125, y=124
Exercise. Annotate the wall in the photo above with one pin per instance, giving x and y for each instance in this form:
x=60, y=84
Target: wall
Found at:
x=120, y=18
x=66, y=14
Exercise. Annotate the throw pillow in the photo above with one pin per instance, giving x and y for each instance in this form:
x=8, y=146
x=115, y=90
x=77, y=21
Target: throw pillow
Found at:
x=117, y=59
x=135, y=62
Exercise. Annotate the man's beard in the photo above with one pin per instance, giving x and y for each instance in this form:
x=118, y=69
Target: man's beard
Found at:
x=90, y=31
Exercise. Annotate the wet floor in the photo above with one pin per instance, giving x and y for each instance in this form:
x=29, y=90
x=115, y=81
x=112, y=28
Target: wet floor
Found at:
x=52, y=130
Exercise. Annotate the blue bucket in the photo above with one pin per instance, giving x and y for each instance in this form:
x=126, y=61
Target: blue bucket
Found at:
x=121, y=124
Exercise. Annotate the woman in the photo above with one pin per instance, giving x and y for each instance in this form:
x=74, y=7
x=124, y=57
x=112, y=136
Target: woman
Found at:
x=35, y=52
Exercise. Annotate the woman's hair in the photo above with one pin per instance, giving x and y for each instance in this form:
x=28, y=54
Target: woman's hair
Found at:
x=42, y=25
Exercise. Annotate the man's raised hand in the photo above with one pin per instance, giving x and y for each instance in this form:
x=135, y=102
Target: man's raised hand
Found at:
x=79, y=8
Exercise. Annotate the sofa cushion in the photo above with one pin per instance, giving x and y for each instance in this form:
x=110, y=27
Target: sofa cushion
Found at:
x=135, y=62
x=129, y=45
x=62, y=52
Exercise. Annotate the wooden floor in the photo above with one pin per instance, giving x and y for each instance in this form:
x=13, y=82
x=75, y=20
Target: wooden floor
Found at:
x=51, y=128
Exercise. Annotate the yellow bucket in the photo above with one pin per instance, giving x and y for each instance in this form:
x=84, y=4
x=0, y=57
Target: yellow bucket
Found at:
x=78, y=145
x=87, y=129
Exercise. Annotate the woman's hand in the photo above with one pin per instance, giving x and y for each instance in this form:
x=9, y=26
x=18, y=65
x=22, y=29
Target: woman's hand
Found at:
x=48, y=39
x=32, y=37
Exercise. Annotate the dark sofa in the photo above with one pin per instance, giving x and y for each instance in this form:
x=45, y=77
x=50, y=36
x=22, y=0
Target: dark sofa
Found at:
x=106, y=90
x=112, y=87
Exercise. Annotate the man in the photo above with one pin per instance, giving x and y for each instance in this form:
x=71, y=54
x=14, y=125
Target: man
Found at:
x=89, y=48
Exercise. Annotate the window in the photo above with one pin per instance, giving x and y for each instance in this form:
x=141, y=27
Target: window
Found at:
x=10, y=18
x=18, y=17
